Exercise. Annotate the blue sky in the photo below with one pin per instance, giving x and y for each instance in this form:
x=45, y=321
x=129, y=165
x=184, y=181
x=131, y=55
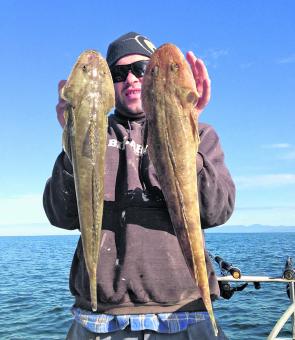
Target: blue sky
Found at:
x=249, y=50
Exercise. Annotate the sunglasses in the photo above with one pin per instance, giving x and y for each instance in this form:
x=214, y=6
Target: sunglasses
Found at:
x=120, y=72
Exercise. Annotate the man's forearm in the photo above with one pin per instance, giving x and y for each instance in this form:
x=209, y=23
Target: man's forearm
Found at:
x=59, y=198
x=216, y=187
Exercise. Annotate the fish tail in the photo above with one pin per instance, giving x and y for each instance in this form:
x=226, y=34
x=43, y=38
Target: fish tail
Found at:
x=213, y=322
x=95, y=241
x=93, y=293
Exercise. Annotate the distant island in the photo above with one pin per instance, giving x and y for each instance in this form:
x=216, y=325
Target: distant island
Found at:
x=254, y=228
x=45, y=229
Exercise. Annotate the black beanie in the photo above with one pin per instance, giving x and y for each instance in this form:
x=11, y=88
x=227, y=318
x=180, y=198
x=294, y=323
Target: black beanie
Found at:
x=130, y=43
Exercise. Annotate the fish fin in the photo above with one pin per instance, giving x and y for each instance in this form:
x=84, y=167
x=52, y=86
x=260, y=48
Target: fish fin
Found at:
x=194, y=125
x=213, y=322
x=183, y=238
x=66, y=136
x=93, y=291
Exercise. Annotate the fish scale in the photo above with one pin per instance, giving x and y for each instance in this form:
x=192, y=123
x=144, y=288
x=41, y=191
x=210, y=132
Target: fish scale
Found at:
x=169, y=97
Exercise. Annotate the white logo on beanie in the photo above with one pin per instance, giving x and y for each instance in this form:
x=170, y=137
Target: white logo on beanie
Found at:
x=144, y=43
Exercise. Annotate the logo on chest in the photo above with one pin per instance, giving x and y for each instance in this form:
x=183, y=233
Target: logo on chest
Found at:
x=138, y=149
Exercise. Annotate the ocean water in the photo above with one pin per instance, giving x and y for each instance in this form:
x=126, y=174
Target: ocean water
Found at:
x=35, y=300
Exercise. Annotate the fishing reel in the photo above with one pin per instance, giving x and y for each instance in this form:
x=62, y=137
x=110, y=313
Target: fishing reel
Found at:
x=226, y=290
x=289, y=274
x=228, y=268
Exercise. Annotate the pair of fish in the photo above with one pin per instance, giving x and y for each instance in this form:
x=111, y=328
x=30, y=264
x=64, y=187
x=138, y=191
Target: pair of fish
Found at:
x=169, y=97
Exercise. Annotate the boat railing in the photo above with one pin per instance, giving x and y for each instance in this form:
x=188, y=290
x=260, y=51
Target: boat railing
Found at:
x=232, y=274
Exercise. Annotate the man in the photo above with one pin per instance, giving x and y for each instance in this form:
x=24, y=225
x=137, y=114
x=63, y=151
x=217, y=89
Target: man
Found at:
x=145, y=290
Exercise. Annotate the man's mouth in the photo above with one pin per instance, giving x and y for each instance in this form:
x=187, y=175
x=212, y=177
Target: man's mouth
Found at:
x=132, y=92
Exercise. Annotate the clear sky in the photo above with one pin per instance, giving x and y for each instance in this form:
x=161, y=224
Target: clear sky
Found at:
x=249, y=50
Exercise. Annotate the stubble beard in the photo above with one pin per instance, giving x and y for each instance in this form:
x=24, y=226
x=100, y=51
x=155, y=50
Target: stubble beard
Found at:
x=127, y=112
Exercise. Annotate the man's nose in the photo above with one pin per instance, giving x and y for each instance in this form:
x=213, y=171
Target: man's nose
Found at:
x=131, y=78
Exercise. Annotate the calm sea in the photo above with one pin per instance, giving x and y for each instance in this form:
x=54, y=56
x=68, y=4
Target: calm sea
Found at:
x=35, y=301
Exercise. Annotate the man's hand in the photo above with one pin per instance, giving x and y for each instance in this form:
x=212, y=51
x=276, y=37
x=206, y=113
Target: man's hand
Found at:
x=202, y=80
x=61, y=105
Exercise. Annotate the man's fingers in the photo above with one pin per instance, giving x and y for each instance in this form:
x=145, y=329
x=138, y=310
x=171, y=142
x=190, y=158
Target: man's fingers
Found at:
x=61, y=84
x=199, y=70
x=61, y=105
x=202, y=80
x=191, y=58
x=205, y=97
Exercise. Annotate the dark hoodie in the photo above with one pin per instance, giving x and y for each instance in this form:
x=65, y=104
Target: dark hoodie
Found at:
x=141, y=267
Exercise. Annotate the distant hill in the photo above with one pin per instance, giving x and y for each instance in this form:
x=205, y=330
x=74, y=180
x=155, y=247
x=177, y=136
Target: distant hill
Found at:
x=255, y=228
x=43, y=229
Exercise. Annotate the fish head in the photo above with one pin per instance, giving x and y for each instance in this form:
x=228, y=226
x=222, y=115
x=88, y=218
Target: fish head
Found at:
x=168, y=72
x=88, y=73
x=89, y=90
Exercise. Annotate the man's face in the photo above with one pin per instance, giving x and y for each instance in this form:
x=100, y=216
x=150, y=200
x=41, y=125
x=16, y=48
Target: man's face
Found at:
x=128, y=91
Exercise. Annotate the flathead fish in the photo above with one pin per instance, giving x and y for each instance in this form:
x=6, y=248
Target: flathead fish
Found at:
x=89, y=92
x=169, y=97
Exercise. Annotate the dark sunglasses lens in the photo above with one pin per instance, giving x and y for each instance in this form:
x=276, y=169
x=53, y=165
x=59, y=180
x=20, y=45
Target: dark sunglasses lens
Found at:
x=120, y=72
x=138, y=68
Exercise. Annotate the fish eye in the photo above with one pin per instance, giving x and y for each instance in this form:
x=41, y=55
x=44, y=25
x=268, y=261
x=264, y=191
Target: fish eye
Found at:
x=84, y=68
x=155, y=70
x=174, y=67
x=192, y=98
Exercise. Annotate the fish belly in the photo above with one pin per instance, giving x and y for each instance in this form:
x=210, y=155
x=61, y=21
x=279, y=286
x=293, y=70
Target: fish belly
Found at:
x=88, y=158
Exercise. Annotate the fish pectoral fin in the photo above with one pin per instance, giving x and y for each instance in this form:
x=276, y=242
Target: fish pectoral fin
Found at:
x=66, y=141
x=66, y=116
x=194, y=125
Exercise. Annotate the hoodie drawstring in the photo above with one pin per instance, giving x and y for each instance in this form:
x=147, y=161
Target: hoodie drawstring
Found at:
x=129, y=132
